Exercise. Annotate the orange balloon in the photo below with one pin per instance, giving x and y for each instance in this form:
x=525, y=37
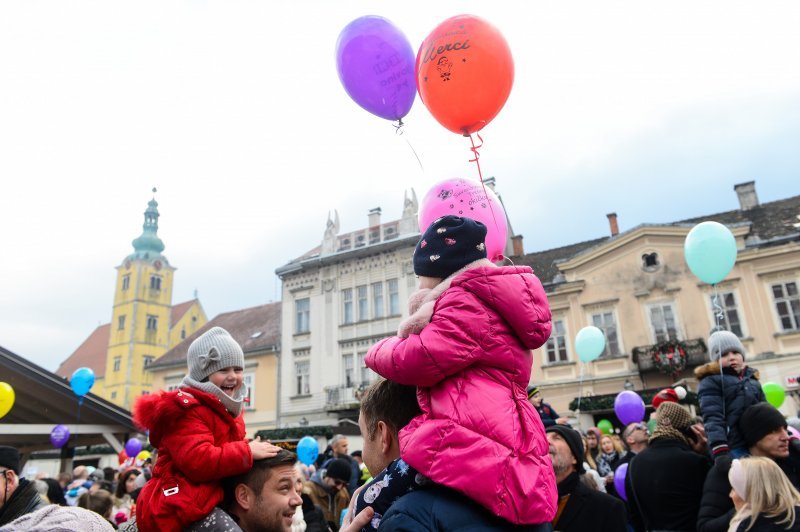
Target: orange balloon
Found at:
x=464, y=73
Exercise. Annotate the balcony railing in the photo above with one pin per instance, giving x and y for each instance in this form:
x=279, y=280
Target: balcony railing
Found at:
x=696, y=354
x=344, y=397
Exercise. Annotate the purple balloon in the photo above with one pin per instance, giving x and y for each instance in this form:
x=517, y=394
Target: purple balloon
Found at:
x=629, y=407
x=133, y=447
x=619, y=481
x=59, y=436
x=376, y=66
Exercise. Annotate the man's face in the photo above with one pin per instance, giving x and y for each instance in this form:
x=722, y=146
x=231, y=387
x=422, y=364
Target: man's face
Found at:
x=591, y=440
x=773, y=445
x=637, y=433
x=274, y=507
x=371, y=452
x=334, y=484
x=340, y=447
x=560, y=454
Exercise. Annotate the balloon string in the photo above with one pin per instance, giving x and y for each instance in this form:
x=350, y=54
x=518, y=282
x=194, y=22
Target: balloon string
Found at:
x=580, y=391
x=398, y=129
x=476, y=160
x=719, y=313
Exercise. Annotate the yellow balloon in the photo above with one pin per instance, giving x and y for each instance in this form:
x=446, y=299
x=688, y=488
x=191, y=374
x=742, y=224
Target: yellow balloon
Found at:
x=6, y=398
x=143, y=455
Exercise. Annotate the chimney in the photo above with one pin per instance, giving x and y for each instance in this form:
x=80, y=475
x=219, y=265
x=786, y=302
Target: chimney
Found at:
x=490, y=182
x=516, y=241
x=375, y=217
x=612, y=223
x=747, y=195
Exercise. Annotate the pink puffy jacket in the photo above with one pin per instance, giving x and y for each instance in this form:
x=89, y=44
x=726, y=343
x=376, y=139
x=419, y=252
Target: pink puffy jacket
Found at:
x=477, y=432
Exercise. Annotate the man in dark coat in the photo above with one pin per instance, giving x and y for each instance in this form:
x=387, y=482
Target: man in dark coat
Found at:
x=18, y=496
x=546, y=412
x=765, y=433
x=664, y=482
x=580, y=507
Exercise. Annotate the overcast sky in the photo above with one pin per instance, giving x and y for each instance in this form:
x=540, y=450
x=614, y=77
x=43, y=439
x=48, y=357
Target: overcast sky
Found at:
x=234, y=110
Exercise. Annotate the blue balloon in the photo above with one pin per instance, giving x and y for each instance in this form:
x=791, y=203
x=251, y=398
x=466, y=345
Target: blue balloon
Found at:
x=82, y=381
x=589, y=343
x=710, y=251
x=307, y=450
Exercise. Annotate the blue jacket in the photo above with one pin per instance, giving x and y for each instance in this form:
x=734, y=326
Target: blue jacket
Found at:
x=548, y=414
x=723, y=398
x=440, y=509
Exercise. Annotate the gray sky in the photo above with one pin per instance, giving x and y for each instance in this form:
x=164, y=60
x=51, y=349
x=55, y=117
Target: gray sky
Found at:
x=234, y=110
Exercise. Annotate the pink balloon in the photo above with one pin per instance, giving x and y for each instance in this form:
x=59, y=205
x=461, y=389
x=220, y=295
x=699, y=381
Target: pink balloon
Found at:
x=794, y=433
x=464, y=197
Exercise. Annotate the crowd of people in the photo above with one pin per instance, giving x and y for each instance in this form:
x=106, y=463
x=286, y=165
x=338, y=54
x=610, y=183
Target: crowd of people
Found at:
x=454, y=437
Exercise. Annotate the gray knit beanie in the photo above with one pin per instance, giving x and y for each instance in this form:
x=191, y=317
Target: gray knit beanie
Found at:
x=214, y=350
x=54, y=518
x=722, y=342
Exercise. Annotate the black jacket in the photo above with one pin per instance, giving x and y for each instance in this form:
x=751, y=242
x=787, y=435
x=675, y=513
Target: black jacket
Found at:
x=23, y=501
x=589, y=509
x=716, y=507
x=441, y=509
x=547, y=413
x=769, y=524
x=723, y=398
x=667, y=481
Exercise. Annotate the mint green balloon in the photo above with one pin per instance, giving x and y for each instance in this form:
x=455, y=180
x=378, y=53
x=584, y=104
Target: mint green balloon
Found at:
x=775, y=393
x=710, y=251
x=589, y=343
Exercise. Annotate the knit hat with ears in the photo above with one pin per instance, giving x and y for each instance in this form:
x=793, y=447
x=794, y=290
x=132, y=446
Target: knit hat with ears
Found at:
x=722, y=342
x=212, y=351
x=449, y=244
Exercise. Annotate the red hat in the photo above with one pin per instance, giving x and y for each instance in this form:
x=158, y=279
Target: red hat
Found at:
x=667, y=394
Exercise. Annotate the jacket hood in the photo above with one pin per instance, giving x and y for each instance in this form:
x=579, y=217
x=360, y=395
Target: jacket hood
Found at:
x=712, y=368
x=157, y=412
x=514, y=293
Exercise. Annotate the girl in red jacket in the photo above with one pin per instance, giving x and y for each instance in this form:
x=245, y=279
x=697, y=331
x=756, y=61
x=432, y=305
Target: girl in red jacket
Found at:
x=200, y=435
x=467, y=347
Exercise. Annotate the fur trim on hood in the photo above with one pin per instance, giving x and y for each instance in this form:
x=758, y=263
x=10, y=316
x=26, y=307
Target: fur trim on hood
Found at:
x=421, y=302
x=712, y=368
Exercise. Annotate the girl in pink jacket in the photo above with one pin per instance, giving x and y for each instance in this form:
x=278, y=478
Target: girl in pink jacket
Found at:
x=467, y=347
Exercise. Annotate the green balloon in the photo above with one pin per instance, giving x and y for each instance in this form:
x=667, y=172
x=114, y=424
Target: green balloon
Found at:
x=775, y=393
x=605, y=426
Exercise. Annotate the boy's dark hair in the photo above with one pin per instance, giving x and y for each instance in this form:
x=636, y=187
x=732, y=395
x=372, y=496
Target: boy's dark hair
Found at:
x=257, y=476
x=100, y=502
x=394, y=404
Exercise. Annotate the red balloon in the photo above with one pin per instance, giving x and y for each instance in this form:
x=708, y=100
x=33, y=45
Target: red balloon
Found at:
x=464, y=73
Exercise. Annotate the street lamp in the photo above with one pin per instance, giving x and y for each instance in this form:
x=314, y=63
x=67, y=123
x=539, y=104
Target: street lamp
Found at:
x=628, y=385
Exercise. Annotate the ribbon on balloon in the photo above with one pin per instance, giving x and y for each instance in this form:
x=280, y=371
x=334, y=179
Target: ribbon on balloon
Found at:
x=81, y=382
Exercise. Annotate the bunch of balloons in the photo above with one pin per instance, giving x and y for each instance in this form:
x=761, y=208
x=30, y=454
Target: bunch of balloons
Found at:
x=6, y=398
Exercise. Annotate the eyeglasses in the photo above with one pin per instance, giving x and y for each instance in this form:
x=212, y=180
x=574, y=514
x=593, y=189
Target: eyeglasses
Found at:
x=640, y=426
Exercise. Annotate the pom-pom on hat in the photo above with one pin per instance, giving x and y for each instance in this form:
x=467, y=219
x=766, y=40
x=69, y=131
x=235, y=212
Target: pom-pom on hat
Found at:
x=214, y=350
x=449, y=244
x=759, y=420
x=722, y=342
x=667, y=394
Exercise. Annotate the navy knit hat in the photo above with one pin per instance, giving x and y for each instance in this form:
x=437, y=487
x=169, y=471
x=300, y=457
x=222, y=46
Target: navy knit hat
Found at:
x=339, y=469
x=759, y=420
x=449, y=244
x=9, y=458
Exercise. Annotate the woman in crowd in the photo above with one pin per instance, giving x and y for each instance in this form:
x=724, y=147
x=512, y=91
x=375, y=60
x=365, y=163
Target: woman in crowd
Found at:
x=123, y=500
x=764, y=498
x=611, y=453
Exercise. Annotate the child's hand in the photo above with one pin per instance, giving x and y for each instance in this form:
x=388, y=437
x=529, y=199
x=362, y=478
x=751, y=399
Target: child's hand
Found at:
x=263, y=449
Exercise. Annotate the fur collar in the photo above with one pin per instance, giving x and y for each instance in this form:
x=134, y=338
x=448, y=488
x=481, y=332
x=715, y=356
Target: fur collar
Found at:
x=712, y=368
x=421, y=302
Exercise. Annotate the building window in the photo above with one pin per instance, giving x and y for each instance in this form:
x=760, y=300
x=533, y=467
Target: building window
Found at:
x=126, y=281
x=155, y=282
x=363, y=303
x=394, y=297
x=349, y=375
x=606, y=322
x=557, y=343
x=302, y=314
x=152, y=322
x=302, y=370
x=377, y=300
x=787, y=303
x=145, y=392
x=662, y=321
x=114, y=395
x=117, y=363
x=121, y=323
x=183, y=333
x=650, y=262
x=367, y=376
x=147, y=359
x=249, y=383
x=730, y=313
x=347, y=305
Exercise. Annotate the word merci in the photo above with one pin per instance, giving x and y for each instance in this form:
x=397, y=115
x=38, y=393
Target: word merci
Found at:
x=433, y=50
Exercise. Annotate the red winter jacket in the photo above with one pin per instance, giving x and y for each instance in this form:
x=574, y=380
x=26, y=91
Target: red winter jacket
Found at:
x=472, y=363
x=199, y=442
